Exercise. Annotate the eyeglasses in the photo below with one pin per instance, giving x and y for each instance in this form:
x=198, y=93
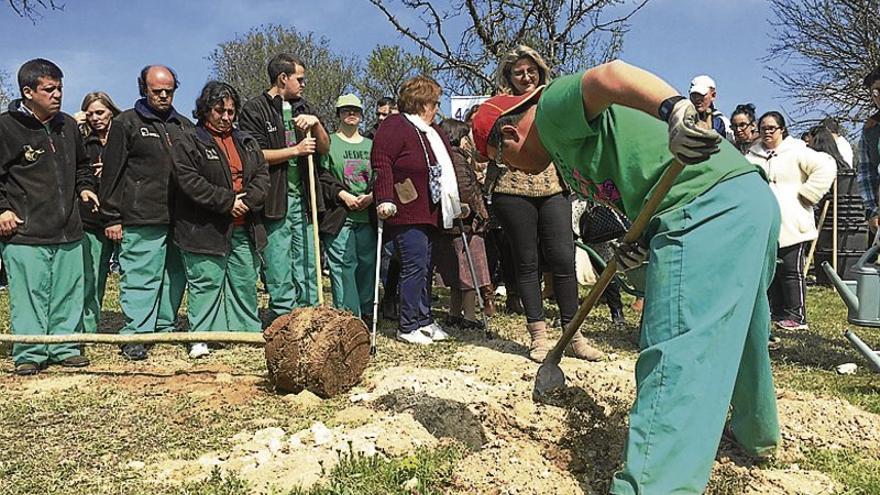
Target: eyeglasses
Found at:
x=743, y=125
x=531, y=72
x=770, y=129
x=160, y=91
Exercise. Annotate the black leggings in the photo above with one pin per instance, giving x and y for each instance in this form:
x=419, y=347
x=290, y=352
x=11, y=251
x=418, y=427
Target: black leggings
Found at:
x=788, y=291
x=545, y=223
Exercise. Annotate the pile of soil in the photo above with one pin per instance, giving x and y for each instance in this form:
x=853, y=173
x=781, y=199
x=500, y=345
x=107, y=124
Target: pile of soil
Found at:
x=322, y=350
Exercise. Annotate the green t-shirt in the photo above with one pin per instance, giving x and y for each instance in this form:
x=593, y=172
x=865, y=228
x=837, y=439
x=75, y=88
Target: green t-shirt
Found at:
x=294, y=183
x=350, y=164
x=619, y=156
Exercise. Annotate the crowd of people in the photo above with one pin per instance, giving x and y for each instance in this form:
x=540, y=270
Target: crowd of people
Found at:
x=217, y=207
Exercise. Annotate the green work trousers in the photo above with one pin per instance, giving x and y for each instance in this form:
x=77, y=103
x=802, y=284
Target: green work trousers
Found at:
x=302, y=254
x=45, y=297
x=97, y=250
x=704, y=339
x=277, y=274
x=152, y=283
x=351, y=256
x=223, y=289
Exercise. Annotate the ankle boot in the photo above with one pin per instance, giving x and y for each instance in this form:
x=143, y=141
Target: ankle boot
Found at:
x=488, y=294
x=541, y=342
x=582, y=349
x=617, y=316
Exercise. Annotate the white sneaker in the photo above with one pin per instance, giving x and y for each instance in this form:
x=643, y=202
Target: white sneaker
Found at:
x=416, y=337
x=435, y=332
x=199, y=350
x=501, y=291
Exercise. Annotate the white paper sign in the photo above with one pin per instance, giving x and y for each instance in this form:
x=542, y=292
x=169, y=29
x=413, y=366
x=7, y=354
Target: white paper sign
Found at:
x=461, y=105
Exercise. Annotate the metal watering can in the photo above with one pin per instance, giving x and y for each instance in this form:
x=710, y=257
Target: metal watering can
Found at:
x=861, y=295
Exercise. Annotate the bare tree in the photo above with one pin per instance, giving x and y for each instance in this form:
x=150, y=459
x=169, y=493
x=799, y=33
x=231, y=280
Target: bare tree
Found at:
x=821, y=52
x=33, y=9
x=242, y=63
x=386, y=68
x=571, y=34
x=7, y=94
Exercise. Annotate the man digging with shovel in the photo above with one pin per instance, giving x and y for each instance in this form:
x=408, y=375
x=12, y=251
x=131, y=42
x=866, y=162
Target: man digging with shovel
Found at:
x=711, y=246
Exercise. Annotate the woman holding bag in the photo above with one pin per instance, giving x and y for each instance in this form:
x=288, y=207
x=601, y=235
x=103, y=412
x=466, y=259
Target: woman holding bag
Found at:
x=416, y=192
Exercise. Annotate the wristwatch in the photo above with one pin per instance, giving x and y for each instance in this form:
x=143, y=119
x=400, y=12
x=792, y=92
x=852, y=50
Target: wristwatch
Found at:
x=666, y=107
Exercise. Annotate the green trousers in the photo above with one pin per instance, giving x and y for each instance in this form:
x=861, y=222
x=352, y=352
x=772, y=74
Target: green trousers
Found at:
x=302, y=254
x=277, y=269
x=704, y=339
x=45, y=297
x=153, y=281
x=97, y=251
x=223, y=289
x=351, y=256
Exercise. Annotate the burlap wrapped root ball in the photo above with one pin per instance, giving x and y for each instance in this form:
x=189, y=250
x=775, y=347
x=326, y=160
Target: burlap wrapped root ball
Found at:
x=322, y=350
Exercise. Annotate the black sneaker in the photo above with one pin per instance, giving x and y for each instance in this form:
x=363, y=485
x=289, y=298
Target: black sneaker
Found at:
x=617, y=316
x=27, y=369
x=134, y=352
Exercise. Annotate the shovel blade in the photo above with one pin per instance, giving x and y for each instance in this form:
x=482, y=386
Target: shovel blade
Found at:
x=550, y=377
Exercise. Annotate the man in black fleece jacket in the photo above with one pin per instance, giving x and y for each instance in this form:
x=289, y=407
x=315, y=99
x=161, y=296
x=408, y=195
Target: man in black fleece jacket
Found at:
x=137, y=194
x=44, y=172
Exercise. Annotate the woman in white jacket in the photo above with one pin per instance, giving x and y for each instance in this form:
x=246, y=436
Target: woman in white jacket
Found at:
x=799, y=177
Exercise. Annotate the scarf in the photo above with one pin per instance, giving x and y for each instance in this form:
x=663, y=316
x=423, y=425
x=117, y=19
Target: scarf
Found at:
x=450, y=204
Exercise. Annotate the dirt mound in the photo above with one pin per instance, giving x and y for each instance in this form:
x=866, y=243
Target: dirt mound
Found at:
x=319, y=349
x=810, y=422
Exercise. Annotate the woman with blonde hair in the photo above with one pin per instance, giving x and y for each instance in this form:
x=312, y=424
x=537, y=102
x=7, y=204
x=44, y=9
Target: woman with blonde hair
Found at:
x=535, y=213
x=99, y=111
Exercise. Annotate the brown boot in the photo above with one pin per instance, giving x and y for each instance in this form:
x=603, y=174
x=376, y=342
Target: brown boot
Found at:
x=488, y=294
x=582, y=349
x=541, y=342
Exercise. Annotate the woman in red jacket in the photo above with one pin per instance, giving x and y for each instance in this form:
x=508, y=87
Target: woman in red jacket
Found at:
x=416, y=192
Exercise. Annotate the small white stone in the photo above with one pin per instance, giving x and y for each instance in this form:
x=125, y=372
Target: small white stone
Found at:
x=136, y=465
x=847, y=368
x=321, y=433
x=411, y=484
x=360, y=398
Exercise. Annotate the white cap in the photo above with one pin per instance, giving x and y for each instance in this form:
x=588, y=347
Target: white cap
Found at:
x=702, y=84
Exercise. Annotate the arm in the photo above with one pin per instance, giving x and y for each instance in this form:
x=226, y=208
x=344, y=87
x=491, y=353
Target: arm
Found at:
x=85, y=176
x=821, y=170
x=386, y=147
x=620, y=83
x=869, y=179
x=193, y=184
x=256, y=188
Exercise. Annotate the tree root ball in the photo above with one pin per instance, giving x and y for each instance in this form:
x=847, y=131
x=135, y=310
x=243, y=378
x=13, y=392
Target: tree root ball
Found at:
x=322, y=350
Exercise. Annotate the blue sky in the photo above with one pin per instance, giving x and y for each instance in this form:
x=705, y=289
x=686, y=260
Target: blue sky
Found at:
x=102, y=44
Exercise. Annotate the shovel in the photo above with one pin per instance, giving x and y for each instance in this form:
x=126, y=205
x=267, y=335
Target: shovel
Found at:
x=550, y=376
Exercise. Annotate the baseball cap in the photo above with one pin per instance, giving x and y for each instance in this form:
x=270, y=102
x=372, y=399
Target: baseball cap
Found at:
x=349, y=100
x=702, y=84
x=493, y=109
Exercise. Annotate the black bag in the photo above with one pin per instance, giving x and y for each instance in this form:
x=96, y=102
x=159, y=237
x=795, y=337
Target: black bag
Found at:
x=601, y=223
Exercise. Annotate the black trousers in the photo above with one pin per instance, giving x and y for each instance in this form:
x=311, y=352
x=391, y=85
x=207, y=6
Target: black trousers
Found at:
x=788, y=291
x=539, y=232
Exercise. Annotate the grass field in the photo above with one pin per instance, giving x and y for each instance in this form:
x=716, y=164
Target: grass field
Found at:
x=105, y=429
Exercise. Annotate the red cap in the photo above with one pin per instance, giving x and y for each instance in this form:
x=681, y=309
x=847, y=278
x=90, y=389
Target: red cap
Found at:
x=494, y=108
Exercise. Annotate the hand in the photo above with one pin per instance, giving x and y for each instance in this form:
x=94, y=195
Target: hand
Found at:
x=630, y=255
x=386, y=210
x=114, y=233
x=350, y=200
x=364, y=200
x=238, y=206
x=873, y=223
x=305, y=147
x=9, y=223
x=688, y=142
x=305, y=122
x=89, y=197
x=465, y=211
x=98, y=168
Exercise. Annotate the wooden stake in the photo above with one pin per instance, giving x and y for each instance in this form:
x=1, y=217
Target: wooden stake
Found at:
x=317, y=241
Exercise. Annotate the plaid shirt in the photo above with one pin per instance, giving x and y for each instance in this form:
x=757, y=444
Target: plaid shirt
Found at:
x=867, y=173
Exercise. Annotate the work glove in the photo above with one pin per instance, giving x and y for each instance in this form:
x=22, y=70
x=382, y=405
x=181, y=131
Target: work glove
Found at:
x=688, y=142
x=386, y=210
x=630, y=255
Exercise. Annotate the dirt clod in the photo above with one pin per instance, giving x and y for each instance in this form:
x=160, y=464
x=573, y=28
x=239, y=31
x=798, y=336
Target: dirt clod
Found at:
x=322, y=350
